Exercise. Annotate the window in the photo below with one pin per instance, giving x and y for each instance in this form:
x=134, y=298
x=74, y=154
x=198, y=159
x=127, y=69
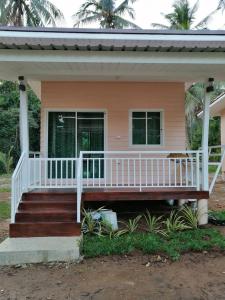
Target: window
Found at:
x=146, y=127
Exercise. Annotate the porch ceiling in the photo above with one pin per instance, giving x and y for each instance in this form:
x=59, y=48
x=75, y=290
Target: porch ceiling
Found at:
x=101, y=55
x=179, y=67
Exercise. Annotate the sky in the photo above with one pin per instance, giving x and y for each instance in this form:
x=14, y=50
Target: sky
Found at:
x=147, y=12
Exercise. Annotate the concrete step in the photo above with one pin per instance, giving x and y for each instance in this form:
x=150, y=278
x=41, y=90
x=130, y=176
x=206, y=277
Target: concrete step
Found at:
x=14, y=251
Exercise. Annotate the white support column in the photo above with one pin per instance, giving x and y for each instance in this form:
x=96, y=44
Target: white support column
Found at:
x=24, y=129
x=203, y=203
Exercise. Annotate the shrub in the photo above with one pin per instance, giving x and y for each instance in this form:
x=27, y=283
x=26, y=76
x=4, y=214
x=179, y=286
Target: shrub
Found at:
x=190, y=216
x=131, y=226
x=6, y=161
x=174, y=223
x=153, y=223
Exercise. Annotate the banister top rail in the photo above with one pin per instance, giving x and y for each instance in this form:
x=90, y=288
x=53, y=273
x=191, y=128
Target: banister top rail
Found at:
x=144, y=152
x=217, y=146
x=18, y=164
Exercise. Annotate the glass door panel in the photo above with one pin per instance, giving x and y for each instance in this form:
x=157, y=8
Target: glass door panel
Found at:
x=62, y=143
x=90, y=137
x=68, y=134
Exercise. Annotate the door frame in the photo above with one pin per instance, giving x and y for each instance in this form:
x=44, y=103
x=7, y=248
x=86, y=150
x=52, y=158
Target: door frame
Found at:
x=44, y=146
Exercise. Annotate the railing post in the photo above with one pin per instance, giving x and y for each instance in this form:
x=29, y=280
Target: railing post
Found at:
x=140, y=172
x=197, y=172
x=12, y=201
x=26, y=171
x=79, y=186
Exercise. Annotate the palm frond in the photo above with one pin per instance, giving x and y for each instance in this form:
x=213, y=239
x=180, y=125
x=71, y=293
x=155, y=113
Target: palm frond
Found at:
x=160, y=26
x=47, y=12
x=105, y=13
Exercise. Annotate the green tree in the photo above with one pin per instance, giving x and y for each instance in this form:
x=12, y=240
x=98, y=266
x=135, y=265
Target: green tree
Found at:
x=106, y=13
x=193, y=104
x=29, y=13
x=183, y=17
x=9, y=119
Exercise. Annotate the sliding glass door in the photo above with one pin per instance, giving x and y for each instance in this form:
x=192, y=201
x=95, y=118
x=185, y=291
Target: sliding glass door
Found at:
x=72, y=132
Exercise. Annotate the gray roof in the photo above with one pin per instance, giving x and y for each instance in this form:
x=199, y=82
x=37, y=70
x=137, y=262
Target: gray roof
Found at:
x=33, y=38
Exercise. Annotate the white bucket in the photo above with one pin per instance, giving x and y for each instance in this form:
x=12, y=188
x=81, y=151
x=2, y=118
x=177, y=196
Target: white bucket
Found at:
x=110, y=217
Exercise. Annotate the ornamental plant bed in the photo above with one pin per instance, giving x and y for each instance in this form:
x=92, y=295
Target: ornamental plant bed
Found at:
x=197, y=240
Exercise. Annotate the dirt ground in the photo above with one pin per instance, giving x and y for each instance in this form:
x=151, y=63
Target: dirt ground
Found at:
x=136, y=276
x=217, y=198
x=195, y=276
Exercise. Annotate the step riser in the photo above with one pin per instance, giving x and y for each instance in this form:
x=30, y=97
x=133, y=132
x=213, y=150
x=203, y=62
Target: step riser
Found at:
x=50, y=217
x=44, y=230
x=39, y=206
x=50, y=197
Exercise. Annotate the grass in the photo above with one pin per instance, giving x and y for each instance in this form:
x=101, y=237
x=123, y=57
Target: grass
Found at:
x=5, y=176
x=212, y=169
x=5, y=190
x=174, y=246
x=4, y=210
x=219, y=215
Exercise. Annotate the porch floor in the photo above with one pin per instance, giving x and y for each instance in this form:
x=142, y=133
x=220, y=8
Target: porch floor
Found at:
x=130, y=194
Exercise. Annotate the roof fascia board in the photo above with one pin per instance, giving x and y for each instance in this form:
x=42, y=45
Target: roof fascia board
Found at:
x=107, y=36
x=112, y=57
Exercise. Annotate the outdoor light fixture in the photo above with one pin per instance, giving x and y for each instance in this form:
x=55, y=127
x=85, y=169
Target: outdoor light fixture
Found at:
x=210, y=87
x=22, y=86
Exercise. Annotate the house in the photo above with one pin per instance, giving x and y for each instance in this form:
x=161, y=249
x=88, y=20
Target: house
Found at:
x=112, y=120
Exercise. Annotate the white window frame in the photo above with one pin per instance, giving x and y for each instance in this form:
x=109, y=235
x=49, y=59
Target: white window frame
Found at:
x=161, y=111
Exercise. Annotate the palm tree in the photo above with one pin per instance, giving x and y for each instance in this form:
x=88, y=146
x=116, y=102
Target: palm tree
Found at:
x=29, y=13
x=193, y=104
x=221, y=5
x=182, y=17
x=106, y=13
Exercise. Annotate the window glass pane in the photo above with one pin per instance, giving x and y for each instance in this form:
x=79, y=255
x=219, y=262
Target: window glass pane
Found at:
x=139, y=131
x=90, y=115
x=138, y=114
x=61, y=134
x=153, y=128
x=90, y=135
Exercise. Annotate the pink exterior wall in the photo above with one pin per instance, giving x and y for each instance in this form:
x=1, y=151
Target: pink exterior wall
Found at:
x=117, y=98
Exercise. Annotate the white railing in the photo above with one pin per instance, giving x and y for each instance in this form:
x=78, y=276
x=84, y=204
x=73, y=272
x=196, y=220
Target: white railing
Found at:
x=139, y=170
x=52, y=172
x=147, y=169
x=216, y=158
x=19, y=184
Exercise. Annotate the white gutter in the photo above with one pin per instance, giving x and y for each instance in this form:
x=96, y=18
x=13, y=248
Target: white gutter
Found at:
x=113, y=37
